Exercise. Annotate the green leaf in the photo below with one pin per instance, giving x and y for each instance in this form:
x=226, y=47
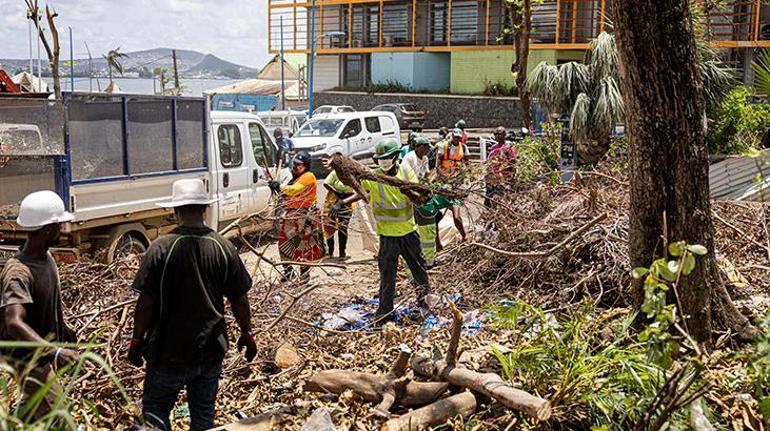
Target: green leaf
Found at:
x=673, y=266
x=697, y=249
x=764, y=407
x=675, y=249
x=640, y=272
x=688, y=264
x=662, y=269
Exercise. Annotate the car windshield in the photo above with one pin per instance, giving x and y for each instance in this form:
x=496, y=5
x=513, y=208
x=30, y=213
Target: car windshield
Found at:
x=409, y=108
x=324, y=128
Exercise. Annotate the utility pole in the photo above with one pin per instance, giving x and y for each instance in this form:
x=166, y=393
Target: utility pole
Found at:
x=283, y=77
x=72, y=63
x=29, y=29
x=176, y=72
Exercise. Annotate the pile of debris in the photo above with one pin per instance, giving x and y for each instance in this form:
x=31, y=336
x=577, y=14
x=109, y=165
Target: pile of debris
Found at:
x=554, y=247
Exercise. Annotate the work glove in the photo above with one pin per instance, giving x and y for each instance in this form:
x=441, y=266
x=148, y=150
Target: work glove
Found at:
x=246, y=341
x=135, y=352
x=275, y=186
x=334, y=211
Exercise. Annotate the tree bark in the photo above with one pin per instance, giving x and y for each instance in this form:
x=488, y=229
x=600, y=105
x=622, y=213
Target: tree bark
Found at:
x=462, y=404
x=521, y=19
x=668, y=155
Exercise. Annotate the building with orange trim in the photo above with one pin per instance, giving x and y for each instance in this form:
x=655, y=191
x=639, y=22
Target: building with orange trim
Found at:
x=465, y=45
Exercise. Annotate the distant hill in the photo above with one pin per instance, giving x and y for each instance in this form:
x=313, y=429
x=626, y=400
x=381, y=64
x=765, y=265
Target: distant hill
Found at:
x=191, y=64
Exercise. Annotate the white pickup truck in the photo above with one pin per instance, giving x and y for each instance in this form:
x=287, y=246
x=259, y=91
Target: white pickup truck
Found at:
x=112, y=158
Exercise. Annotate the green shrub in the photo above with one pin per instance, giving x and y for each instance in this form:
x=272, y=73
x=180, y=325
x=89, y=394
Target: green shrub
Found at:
x=738, y=125
x=499, y=89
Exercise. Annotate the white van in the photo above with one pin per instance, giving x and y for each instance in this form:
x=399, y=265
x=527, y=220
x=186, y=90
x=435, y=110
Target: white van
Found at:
x=353, y=134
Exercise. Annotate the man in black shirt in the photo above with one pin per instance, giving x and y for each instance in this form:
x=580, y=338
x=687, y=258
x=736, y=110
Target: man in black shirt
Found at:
x=30, y=303
x=179, y=323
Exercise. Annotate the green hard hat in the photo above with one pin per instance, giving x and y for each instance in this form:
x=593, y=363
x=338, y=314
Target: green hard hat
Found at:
x=457, y=132
x=386, y=148
x=460, y=124
x=421, y=140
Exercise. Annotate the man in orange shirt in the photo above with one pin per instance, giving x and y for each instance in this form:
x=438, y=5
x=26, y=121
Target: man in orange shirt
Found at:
x=300, y=238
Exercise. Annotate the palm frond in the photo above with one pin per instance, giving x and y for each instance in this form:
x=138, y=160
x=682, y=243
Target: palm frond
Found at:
x=544, y=85
x=761, y=68
x=580, y=120
x=603, y=57
x=608, y=105
x=575, y=78
x=717, y=78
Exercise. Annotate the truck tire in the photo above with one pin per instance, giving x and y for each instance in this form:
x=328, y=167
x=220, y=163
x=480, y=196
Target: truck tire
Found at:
x=123, y=240
x=128, y=255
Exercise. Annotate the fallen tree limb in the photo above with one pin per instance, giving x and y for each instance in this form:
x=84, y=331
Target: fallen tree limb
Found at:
x=551, y=250
x=387, y=390
x=487, y=384
x=350, y=172
x=439, y=412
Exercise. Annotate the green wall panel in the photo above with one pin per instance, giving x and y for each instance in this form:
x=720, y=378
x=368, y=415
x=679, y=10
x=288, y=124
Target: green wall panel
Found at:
x=470, y=70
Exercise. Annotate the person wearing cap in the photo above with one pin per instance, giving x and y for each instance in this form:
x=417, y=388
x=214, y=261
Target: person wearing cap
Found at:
x=394, y=216
x=336, y=214
x=417, y=162
x=451, y=157
x=300, y=235
x=30, y=300
x=500, y=166
x=180, y=330
x=461, y=125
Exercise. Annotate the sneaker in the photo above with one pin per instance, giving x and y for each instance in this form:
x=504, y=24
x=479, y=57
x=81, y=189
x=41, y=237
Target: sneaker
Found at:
x=344, y=257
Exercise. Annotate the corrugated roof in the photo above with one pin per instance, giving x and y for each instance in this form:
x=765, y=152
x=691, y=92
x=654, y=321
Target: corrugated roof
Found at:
x=741, y=178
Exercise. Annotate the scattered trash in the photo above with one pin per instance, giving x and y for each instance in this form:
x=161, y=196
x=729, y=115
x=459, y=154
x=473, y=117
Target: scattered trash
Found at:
x=286, y=356
x=320, y=420
x=350, y=317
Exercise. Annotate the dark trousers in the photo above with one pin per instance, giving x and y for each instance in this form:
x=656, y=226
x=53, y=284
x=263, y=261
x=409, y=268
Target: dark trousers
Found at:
x=408, y=247
x=161, y=391
x=343, y=221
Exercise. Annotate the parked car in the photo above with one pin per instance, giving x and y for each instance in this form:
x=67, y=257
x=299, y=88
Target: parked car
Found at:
x=289, y=121
x=111, y=180
x=353, y=134
x=409, y=116
x=330, y=109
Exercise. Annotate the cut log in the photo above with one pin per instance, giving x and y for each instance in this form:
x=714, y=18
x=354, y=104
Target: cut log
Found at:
x=373, y=387
x=487, y=384
x=438, y=413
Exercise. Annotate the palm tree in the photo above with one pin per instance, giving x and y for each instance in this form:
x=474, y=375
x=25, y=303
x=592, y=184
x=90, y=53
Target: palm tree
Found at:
x=113, y=61
x=590, y=94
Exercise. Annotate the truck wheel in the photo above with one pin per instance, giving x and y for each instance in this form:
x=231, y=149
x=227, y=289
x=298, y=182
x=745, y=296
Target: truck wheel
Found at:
x=128, y=254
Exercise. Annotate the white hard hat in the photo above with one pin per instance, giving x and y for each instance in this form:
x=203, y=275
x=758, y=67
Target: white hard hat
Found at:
x=42, y=208
x=188, y=192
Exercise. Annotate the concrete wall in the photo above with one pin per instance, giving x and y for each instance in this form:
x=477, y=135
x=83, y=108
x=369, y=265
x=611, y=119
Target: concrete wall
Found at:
x=471, y=69
x=432, y=71
x=443, y=110
x=417, y=70
x=327, y=72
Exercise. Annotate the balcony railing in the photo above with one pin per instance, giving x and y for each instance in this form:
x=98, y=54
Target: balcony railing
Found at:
x=452, y=25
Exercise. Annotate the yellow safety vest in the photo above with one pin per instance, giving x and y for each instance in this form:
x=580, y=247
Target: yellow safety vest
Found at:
x=392, y=211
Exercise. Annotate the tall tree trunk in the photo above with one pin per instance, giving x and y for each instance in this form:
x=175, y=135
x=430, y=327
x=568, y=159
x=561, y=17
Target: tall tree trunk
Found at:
x=666, y=124
x=521, y=19
x=53, y=54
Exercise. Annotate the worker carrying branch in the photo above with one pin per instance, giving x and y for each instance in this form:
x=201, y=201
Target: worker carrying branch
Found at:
x=394, y=215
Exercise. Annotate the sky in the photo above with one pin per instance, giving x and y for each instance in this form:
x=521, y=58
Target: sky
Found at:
x=234, y=30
